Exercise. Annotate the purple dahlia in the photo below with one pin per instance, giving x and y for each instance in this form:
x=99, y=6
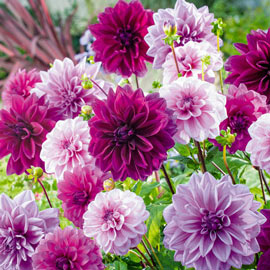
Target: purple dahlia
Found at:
x=131, y=133
x=67, y=249
x=212, y=224
x=252, y=67
x=23, y=129
x=22, y=227
x=119, y=43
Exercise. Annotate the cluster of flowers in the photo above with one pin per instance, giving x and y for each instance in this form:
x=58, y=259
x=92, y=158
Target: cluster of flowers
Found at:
x=211, y=224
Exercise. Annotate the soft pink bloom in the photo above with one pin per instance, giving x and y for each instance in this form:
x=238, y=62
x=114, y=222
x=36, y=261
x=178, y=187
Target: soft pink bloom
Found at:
x=213, y=224
x=258, y=146
x=197, y=106
x=66, y=147
x=189, y=61
x=116, y=220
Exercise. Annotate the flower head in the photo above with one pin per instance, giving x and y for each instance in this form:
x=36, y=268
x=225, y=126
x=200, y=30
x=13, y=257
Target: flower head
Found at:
x=252, y=67
x=23, y=128
x=192, y=25
x=62, y=84
x=21, y=83
x=116, y=220
x=131, y=133
x=119, y=43
x=243, y=108
x=197, y=106
x=77, y=189
x=67, y=249
x=66, y=147
x=212, y=224
x=258, y=146
x=189, y=58
x=22, y=227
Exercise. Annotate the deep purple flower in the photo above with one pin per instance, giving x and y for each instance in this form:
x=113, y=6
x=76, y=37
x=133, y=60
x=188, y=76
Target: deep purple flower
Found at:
x=264, y=262
x=22, y=227
x=22, y=131
x=119, y=43
x=212, y=224
x=252, y=67
x=77, y=189
x=131, y=133
x=243, y=108
x=67, y=249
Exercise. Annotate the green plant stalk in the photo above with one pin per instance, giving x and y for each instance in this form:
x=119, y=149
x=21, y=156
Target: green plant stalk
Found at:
x=136, y=254
x=175, y=59
x=45, y=192
x=226, y=164
x=167, y=179
x=146, y=260
x=200, y=156
x=220, y=71
x=261, y=181
x=137, y=82
x=148, y=252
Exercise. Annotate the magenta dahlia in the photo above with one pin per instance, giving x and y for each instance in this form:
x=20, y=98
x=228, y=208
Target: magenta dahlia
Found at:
x=21, y=83
x=131, y=133
x=252, y=67
x=77, y=189
x=22, y=227
x=213, y=224
x=192, y=25
x=243, y=108
x=23, y=128
x=119, y=43
x=116, y=220
x=67, y=249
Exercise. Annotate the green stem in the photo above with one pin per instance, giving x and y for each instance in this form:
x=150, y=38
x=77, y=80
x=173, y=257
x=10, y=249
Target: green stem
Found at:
x=45, y=192
x=148, y=252
x=137, y=82
x=226, y=164
x=220, y=71
x=167, y=179
x=146, y=260
x=200, y=156
x=175, y=59
x=261, y=181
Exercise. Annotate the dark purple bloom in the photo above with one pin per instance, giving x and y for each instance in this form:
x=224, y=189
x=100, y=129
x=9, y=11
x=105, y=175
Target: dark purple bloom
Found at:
x=243, y=108
x=264, y=262
x=131, y=133
x=23, y=129
x=120, y=44
x=252, y=67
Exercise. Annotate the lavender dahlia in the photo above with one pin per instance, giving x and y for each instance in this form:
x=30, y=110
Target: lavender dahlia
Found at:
x=252, y=67
x=192, y=25
x=23, y=128
x=131, y=133
x=119, y=43
x=22, y=227
x=212, y=224
x=67, y=249
x=116, y=220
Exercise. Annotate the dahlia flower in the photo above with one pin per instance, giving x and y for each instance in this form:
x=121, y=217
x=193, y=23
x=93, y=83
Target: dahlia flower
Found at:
x=197, y=106
x=20, y=84
x=192, y=25
x=264, y=262
x=243, y=108
x=131, y=133
x=252, y=67
x=212, y=224
x=258, y=146
x=119, y=43
x=62, y=84
x=23, y=129
x=116, y=220
x=22, y=227
x=77, y=190
x=66, y=147
x=189, y=58
x=67, y=249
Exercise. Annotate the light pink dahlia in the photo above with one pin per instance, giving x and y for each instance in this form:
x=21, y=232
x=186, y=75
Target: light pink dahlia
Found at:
x=116, y=220
x=197, y=106
x=259, y=145
x=21, y=83
x=62, y=85
x=189, y=62
x=66, y=147
x=212, y=224
x=192, y=25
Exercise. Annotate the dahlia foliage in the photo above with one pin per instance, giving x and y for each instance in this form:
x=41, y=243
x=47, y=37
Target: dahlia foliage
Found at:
x=114, y=174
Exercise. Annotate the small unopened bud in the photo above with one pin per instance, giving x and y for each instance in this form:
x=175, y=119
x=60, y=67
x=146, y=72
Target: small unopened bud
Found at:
x=87, y=84
x=231, y=139
x=109, y=184
x=170, y=28
x=38, y=172
x=87, y=110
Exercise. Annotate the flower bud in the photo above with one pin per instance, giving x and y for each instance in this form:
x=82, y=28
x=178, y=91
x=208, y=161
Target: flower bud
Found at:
x=109, y=184
x=37, y=172
x=86, y=109
x=170, y=28
x=87, y=84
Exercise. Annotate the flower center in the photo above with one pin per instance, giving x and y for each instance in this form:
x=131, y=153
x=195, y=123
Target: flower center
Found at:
x=68, y=98
x=113, y=219
x=123, y=134
x=239, y=122
x=21, y=130
x=186, y=103
x=62, y=263
x=126, y=37
x=186, y=37
x=80, y=197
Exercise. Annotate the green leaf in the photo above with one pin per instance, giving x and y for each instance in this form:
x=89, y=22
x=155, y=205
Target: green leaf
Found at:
x=183, y=150
x=120, y=265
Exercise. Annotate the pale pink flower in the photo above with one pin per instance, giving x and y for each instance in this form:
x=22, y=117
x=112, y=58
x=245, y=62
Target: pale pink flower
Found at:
x=189, y=58
x=66, y=147
x=116, y=220
x=198, y=108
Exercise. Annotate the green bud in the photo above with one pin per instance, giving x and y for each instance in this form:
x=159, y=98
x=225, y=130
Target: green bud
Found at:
x=37, y=172
x=87, y=84
x=86, y=109
x=156, y=84
x=206, y=60
x=227, y=139
x=170, y=29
